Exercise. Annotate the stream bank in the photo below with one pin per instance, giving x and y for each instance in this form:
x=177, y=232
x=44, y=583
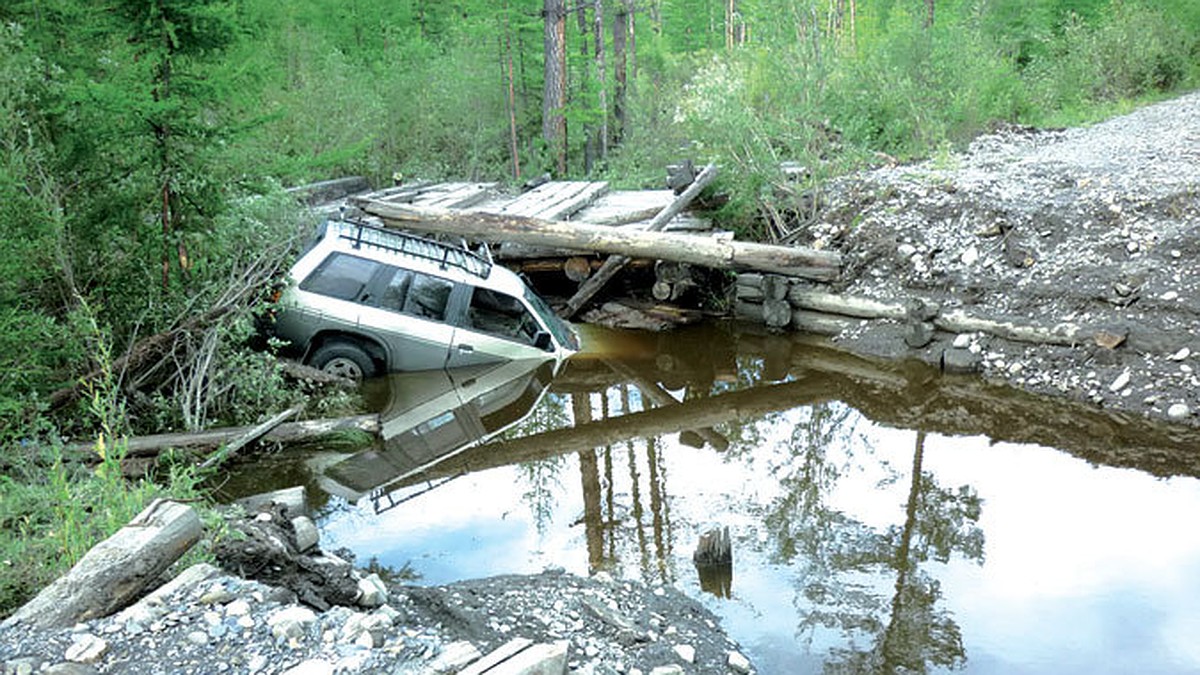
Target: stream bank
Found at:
x=1093, y=228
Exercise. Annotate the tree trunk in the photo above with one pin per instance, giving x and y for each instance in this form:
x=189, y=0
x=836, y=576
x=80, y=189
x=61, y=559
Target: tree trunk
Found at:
x=601, y=76
x=512, y=98
x=554, y=97
x=589, y=141
x=113, y=573
x=620, y=27
x=704, y=251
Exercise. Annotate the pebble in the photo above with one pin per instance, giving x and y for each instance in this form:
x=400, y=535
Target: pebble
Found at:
x=86, y=648
x=1121, y=382
x=1181, y=354
x=1179, y=411
x=738, y=663
x=686, y=652
x=970, y=256
x=1169, y=296
x=962, y=340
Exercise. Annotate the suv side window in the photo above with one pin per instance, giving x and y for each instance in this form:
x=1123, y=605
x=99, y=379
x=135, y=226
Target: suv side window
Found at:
x=500, y=315
x=340, y=276
x=427, y=295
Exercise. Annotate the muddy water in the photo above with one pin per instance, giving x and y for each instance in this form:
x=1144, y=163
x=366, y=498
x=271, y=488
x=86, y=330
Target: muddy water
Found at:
x=882, y=517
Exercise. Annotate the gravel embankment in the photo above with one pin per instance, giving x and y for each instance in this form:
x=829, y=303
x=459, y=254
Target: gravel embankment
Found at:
x=1095, y=229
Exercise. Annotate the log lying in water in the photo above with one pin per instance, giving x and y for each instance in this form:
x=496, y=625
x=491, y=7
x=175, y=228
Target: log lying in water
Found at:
x=289, y=432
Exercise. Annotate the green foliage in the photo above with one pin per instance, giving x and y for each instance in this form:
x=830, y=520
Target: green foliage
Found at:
x=54, y=508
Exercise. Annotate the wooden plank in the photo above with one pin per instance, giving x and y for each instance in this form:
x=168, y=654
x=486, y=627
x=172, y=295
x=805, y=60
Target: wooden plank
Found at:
x=625, y=206
x=571, y=201
x=543, y=198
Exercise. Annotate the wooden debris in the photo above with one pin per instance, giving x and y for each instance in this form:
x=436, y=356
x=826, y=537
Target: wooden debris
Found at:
x=288, y=432
x=614, y=264
x=714, y=548
x=114, y=572
x=253, y=434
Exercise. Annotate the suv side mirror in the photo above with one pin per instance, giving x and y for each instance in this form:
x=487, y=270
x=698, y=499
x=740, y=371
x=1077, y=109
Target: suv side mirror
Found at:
x=542, y=341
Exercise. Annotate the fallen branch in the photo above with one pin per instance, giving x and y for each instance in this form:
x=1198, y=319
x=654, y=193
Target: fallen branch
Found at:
x=289, y=432
x=232, y=448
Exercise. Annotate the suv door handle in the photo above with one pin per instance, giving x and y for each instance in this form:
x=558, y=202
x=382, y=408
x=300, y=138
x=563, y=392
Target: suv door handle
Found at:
x=465, y=348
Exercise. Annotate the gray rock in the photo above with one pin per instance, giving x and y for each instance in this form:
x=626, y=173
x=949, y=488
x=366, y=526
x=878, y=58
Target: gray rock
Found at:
x=686, y=652
x=918, y=334
x=291, y=622
x=372, y=592
x=738, y=663
x=1179, y=411
x=86, y=648
x=1121, y=382
x=673, y=669
x=960, y=361
x=306, y=533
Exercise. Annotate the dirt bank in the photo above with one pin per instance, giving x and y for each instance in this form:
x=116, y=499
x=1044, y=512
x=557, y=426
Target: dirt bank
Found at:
x=1095, y=229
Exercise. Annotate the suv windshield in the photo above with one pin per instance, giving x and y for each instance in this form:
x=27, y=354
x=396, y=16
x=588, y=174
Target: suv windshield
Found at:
x=558, y=328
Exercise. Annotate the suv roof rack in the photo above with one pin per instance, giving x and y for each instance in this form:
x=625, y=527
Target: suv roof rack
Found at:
x=360, y=234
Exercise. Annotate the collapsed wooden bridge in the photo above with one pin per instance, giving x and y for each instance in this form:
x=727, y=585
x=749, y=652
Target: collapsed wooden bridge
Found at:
x=568, y=219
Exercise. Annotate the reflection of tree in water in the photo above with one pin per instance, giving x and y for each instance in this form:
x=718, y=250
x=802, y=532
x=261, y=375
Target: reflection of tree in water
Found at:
x=841, y=557
x=541, y=480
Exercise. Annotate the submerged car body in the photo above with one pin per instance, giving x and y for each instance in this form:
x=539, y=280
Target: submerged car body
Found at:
x=366, y=300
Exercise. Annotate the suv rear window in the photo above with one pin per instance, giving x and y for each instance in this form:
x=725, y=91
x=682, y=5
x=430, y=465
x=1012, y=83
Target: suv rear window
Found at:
x=341, y=276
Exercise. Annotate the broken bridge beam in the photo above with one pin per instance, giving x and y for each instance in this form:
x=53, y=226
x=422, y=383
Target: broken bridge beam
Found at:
x=589, y=288
x=706, y=251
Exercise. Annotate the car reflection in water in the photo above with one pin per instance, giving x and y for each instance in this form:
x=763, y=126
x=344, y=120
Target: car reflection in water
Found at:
x=430, y=416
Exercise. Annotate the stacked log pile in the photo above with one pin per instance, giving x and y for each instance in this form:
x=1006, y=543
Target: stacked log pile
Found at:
x=785, y=303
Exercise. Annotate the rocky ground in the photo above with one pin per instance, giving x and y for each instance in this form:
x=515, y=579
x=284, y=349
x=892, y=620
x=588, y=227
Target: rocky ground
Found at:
x=1094, y=230
x=209, y=620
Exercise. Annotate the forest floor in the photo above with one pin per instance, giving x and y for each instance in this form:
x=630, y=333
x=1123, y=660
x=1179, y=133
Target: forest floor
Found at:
x=1096, y=228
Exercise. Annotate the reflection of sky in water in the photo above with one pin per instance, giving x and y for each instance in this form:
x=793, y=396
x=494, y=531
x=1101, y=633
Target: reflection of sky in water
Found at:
x=1085, y=569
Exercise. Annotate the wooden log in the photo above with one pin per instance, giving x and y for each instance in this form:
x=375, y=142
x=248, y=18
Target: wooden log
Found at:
x=776, y=313
x=577, y=268
x=820, y=301
x=114, y=572
x=1064, y=334
x=253, y=434
x=289, y=432
x=614, y=264
x=705, y=251
x=819, y=323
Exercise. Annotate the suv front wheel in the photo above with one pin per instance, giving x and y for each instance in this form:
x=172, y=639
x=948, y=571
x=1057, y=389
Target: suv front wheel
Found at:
x=343, y=359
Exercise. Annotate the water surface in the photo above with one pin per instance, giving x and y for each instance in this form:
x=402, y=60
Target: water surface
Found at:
x=883, y=518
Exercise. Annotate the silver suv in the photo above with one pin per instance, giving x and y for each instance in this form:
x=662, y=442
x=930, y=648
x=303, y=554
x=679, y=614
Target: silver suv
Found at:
x=364, y=300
